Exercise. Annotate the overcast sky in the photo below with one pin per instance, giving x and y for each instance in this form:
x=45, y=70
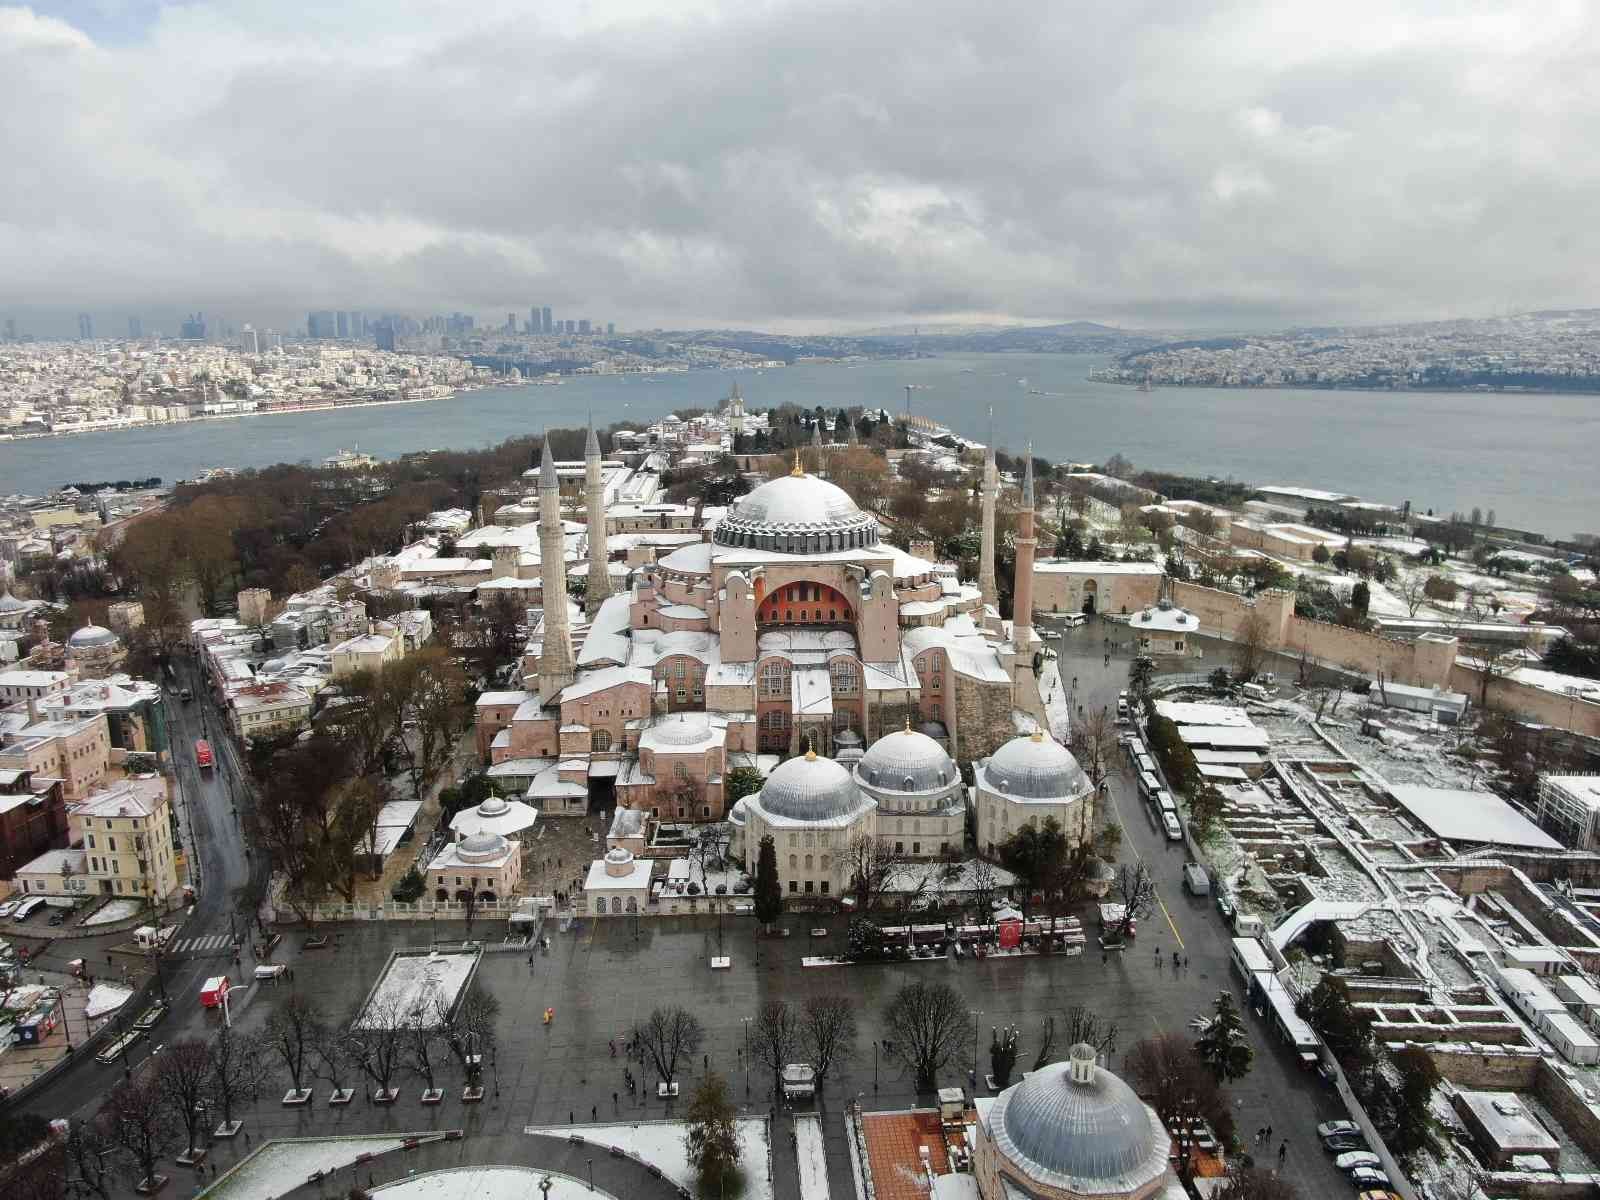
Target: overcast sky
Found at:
x=800, y=166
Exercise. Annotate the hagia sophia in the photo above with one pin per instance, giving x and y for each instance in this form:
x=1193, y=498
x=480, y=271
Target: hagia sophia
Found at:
x=791, y=631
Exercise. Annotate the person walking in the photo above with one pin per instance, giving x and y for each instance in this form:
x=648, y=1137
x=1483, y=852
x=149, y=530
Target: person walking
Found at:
x=1283, y=1153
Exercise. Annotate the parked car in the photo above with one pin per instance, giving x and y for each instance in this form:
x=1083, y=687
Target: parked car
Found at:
x=1357, y=1158
x=1369, y=1177
x=1342, y=1143
x=58, y=918
x=1052, y=635
x=1224, y=906
x=1380, y=1194
x=9, y=907
x=1329, y=1128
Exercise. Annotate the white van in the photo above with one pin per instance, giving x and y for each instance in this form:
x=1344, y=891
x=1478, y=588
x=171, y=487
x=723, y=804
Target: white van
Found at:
x=26, y=908
x=1169, y=821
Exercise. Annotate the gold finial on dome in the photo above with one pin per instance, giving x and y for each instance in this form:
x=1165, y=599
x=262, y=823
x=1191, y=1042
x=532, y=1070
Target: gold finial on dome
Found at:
x=1038, y=735
x=811, y=755
x=908, y=722
x=797, y=470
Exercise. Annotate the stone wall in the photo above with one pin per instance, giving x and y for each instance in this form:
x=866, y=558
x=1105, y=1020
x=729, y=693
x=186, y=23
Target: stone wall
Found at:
x=1578, y=1119
x=1534, y=705
x=1423, y=662
x=982, y=723
x=1501, y=1070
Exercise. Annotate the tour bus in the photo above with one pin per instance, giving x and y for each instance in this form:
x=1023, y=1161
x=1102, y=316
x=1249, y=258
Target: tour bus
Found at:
x=1249, y=957
x=1162, y=799
x=202, y=754
x=1148, y=784
x=1144, y=762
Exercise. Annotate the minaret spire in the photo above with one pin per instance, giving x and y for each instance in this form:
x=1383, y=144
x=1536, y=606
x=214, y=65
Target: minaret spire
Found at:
x=1022, y=584
x=599, y=576
x=555, y=656
x=991, y=488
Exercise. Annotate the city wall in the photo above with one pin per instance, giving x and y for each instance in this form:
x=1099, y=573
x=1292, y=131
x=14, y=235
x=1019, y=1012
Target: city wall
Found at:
x=1534, y=705
x=1425, y=662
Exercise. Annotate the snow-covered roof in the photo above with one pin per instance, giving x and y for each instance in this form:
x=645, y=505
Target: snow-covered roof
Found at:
x=1060, y=567
x=1457, y=814
x=1183, y=712
x=603, y=680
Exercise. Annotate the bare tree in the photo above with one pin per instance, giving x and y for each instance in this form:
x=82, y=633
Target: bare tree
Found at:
x=238, y=1068
x=330, y=1051
x=827, y=1032
x=1095, y=746
x=377, y=1045
x=182, y=1074
x=1047, y=1041
x=421, y=1042
x=665, y=1037
x=469, y=1030
x=1256, y=1183
x=774, y=1037
x=1411, y=586
x=139, y=1123
x=291, y=1031
x=1250, y=645
x=1079, y=1024
x=984, y=883
x=929, y=1028
x=1168, y=1076
x=1135, y=889
x=871, y=864
x=90, y=1158
x=1326, y=696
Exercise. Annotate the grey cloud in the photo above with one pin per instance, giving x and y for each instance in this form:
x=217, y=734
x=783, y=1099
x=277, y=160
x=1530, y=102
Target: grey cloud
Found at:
x=1163, y=163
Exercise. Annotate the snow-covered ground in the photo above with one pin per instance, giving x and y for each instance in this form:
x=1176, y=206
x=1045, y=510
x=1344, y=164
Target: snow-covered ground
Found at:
x=105, y=998
x=812, y=1156
x=662, y=1143
x=281, y=1166
x=116, y=910
x=418, y=983
x=487, y=1183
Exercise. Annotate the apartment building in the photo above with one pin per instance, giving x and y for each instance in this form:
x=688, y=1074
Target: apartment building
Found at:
x=125, y=832
x=76, y=750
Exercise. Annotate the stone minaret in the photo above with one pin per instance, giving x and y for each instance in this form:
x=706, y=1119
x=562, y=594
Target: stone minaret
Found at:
x=816, y=449
x=599, y=577
x=1022, y=585
x=991, y=489
x=555, y=659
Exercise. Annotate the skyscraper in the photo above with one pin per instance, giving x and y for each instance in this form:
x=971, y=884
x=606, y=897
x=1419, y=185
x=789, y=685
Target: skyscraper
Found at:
x=342, y=323
x=11, y=329
x=193, y=328
x=511, y=322
x=611, y=328
x=85, y=327
x=249, y=343
x=321, y=324
x=549, y=326
x=583, y=326
x=383, y=335
x=534, y=324
x=358, y=324
x=135, y=327
x=572, y=326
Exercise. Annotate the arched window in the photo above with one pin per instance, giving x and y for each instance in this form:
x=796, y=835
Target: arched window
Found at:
x=808, y=862
x=794, y=862
x=600, y=741
x=616, y=904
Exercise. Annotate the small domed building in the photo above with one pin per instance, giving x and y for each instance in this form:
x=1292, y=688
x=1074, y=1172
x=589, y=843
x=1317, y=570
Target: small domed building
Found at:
x=94, y=652
x=1027, y=781
x=1070, y=1131
x=812, y=807
x=922, y=808
x=480, y=867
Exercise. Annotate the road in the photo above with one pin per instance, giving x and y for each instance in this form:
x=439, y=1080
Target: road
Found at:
x=213, y=840
x=1278, y=1092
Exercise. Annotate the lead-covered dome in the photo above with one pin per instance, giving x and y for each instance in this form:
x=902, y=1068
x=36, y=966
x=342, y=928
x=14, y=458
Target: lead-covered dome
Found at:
x=906, y=761
x=810, y=788
x=482, y=847
x=797, y=514
x=92, y=637
x=1076, y=1127
x=1036, y=767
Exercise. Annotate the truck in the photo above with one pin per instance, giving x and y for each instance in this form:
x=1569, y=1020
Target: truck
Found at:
x=214, y=991
x=1195, y=880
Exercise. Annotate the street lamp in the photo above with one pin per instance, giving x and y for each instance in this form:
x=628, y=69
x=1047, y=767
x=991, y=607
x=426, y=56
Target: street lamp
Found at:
x=590, y=1163
x=977, y=1013
x=746, y=1021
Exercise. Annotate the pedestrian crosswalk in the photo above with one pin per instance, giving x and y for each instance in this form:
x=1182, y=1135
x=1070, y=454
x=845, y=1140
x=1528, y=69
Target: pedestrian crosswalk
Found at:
x=202, y=945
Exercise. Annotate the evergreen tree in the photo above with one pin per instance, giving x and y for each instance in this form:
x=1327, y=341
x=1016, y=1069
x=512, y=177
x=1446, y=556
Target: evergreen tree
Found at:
x=712, y=1140
x=1361, y=597
x=769, y=895
x=1003, y=1046
x=1223, y=1046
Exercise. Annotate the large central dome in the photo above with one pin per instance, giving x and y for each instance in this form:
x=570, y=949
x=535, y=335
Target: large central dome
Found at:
x=810, y=789
x=797, y=514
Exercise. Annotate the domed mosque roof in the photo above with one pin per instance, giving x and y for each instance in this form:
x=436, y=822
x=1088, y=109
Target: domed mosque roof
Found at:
x=493, y=806
x=1076, y=1127
x=683, y=729
x=92, y=637
x=796, y=503
x=906, y=761
x=481, y=847
x=811, y=788
x=9, y=603
x=1035, y=767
